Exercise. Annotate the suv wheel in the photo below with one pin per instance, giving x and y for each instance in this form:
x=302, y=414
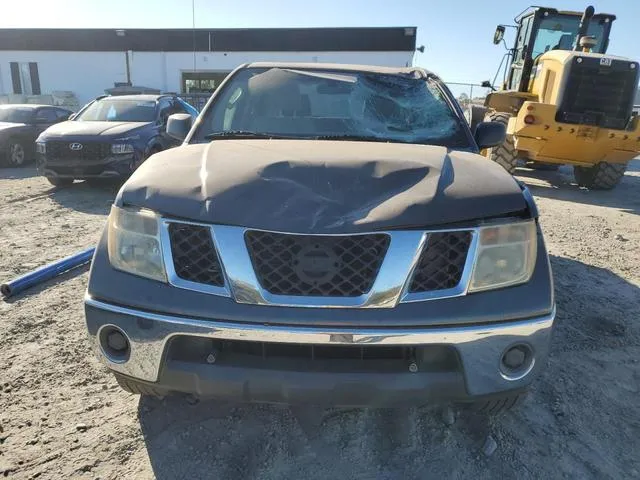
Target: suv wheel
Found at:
x=16, y=154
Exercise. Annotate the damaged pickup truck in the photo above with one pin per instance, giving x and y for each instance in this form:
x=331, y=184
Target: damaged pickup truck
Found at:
x=326, y=234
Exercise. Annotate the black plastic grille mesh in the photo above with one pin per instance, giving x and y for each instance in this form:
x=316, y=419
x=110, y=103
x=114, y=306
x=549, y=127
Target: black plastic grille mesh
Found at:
x=89, y=150
x=441, y=262
x=599, y=95
x=194, y=255
x=323, y=266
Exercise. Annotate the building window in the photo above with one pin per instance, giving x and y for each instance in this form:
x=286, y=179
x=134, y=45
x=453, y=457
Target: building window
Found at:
x=25, y=78
x=202, y=82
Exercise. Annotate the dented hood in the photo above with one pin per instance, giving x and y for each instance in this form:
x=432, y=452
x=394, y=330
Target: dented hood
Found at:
x=304, y=186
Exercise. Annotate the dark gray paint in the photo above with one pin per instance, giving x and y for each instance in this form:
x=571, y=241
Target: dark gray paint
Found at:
x=322, y=187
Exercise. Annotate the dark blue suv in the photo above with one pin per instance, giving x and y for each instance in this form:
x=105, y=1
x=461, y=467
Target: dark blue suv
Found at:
x=109, y=138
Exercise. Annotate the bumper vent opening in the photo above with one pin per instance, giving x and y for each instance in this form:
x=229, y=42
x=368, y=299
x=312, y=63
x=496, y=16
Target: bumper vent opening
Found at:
x=194, y=256
x=312, y=357
x=321, y=266
x=441, y=262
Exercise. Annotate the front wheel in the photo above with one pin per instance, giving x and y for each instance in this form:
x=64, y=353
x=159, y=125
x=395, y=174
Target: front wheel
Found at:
x=499, y=404
x=139, y=388
x=602, y=176
x=16, y=154
x=505, y=154
x=60, y=182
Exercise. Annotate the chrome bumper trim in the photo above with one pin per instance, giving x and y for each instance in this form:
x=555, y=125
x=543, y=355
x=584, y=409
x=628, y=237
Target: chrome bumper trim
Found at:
x=480, y=346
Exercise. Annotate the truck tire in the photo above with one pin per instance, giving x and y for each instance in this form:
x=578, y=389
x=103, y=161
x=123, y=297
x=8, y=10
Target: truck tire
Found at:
x=602, y=176
x=504, y=155
x=499, y=405
x=60, y=182
x=139, y=388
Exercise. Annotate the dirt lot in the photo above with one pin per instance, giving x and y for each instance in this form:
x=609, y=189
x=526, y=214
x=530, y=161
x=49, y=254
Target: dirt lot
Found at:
x=62, y=416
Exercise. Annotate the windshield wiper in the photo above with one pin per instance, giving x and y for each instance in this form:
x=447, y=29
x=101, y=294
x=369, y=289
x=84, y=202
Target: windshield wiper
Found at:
x=363, y=138
x=241, y=134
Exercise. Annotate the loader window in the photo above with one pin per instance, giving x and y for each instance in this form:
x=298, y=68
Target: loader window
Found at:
x=558, y=32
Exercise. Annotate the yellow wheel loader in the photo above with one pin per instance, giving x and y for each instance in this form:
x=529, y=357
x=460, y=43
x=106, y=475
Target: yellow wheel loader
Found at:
x=564, y=100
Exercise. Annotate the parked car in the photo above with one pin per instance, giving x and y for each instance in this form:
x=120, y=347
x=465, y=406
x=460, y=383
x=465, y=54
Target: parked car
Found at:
x=20, y=125
x=330, y=235
x=108, y=138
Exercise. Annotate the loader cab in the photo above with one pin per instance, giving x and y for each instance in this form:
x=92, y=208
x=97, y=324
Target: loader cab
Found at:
x=540, y=30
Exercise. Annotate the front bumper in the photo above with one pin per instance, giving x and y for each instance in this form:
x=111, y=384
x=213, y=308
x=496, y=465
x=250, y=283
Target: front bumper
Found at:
x=479, y=350
x=115, y=166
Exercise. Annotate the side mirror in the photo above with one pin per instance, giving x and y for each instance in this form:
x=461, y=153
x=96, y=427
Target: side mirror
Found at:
x=490, y=134
x=487, y=84
x=178, y=125
x=498, y=34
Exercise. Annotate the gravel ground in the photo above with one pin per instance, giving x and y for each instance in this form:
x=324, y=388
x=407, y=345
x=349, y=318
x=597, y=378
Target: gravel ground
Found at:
x=63, y=416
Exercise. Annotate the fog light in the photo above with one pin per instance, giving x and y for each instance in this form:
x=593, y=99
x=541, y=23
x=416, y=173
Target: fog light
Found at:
x=115, y=344
x=516, y=362
x=117, y=341
x=529, y=119
x=514, y=358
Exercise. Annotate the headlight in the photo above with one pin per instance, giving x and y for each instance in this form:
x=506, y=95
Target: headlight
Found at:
x=506, y=256
x=134, y=243
x=119, y=148
x=41, y=147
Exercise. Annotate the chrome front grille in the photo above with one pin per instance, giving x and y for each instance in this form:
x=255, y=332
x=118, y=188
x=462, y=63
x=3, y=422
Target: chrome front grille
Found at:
x=314, y=265
x=373, y=270
x=441, y=262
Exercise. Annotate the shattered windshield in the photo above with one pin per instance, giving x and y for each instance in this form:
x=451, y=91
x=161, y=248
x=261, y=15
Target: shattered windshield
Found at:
x=320, y=104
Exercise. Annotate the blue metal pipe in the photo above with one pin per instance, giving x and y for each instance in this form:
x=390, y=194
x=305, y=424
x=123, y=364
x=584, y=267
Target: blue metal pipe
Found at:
x=45, y=273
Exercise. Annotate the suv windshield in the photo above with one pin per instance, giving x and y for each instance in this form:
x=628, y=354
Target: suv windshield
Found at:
x=558, y=32
x=322, y=104
x=119, y=110
x=15, y=115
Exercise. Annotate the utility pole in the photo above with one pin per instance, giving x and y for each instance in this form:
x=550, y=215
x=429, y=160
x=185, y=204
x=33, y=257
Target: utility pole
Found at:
x=193, y=29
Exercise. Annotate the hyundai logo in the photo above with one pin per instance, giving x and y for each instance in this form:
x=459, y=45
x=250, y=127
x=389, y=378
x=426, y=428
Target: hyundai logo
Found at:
x=75, y=146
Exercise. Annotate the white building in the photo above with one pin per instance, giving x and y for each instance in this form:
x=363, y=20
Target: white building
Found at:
x=88, y=61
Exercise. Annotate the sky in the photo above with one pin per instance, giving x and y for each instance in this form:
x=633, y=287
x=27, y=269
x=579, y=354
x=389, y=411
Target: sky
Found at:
x=457, y=34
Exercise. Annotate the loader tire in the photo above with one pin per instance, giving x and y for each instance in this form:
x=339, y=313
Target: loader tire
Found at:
x=602, y=176
x=504, y=155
